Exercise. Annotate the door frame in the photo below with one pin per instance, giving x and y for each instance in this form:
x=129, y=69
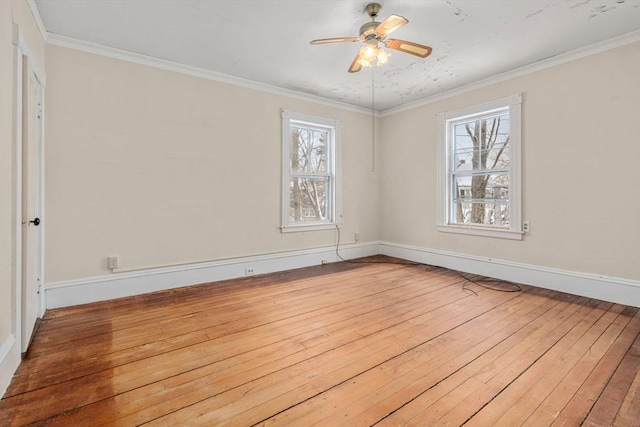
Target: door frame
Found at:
x=23, y=53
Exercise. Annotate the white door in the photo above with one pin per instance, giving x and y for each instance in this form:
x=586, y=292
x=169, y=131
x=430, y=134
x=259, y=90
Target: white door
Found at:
x=31, y=209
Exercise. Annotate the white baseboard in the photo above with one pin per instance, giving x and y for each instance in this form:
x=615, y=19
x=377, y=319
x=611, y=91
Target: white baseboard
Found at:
x=606, y=288
x=117, y=285
x=73, y=292
x=9, y=362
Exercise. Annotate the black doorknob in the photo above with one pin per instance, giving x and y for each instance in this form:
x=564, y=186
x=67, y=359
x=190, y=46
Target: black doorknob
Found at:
x=35, y=222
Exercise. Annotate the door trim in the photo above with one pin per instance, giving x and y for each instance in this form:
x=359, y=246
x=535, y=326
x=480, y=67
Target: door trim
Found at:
x=22, y=52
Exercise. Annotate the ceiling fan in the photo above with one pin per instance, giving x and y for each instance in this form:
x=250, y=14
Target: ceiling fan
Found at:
x=374, y=33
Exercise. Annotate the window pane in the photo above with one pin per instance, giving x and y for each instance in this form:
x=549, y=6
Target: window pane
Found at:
x=308, y=199
x=308, y=149
x=481, y=199
x=482, y=144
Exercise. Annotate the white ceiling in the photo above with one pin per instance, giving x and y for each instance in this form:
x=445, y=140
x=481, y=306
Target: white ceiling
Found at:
x=267, y=41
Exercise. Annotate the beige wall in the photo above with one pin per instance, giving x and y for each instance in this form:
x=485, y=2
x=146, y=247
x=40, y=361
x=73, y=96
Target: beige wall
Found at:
x=581, y=174
x=10, y=12
x=162, y=168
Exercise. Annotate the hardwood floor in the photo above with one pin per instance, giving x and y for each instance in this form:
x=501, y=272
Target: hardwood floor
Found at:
x=340, y=344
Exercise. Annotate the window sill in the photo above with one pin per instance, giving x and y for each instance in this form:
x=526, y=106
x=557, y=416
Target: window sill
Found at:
x=310, y=227
x=484, y=232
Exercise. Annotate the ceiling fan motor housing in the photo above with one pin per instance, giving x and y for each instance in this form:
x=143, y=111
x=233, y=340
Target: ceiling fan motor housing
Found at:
x=367, y=31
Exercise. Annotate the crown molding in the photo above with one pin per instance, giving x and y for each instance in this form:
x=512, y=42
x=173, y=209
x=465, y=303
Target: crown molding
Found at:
x=36, y=16
x=124, y=55
x=137, y=58
x=553, y=61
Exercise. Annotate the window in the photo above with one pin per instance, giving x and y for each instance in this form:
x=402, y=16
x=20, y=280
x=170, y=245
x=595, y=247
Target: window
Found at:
x=479, y=169
x=311, y=187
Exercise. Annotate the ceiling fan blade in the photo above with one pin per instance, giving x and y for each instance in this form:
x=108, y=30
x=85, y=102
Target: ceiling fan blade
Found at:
x=389, y=25
x=334, y=40
x=355, y=65
x=409, y=47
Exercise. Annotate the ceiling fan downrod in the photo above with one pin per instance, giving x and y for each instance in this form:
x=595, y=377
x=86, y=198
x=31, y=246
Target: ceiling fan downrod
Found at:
x=368, y=30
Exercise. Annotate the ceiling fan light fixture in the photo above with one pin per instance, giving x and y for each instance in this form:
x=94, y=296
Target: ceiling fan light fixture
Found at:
x=382, y=56
x=372, y=53
x=369, y=52
x=374, y=33
x=365, y=63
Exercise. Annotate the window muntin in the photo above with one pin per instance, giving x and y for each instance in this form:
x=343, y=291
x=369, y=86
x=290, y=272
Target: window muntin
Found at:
x=310, y=187
x=479, y=163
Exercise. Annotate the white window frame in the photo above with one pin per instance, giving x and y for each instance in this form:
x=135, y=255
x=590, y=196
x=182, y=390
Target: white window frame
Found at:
x=334, y=157
x=445, y=173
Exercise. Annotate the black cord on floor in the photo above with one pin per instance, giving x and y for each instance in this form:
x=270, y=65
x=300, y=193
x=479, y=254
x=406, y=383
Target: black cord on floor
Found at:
x=481, y=281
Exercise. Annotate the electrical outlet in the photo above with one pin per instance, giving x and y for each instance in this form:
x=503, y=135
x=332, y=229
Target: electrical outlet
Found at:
x=526, y=227
x=249, y=271
x=112, y=262
x=325, y=261
x=356, y=236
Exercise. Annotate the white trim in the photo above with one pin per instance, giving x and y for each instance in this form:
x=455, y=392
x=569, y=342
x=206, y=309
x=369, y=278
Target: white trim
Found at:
x=22, y=51
x=486, y=107
x=515, y=169
x=334, y=171
x=441, y=167
x=9, y=362
x=606, y=288
x=479, y=231
x=137, y=58
x=310, y=227
x=445, y=122
x=73, y=292
x=42, y=189
x=18, y=40
x=81, y=291
x=92, y=289
x=36, y=16
x=582, y=52
x=17, y=186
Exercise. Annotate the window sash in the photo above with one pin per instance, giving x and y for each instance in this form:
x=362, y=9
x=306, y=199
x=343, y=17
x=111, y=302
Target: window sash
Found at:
x=323, y=207
x=453, y=173
x=311, y=129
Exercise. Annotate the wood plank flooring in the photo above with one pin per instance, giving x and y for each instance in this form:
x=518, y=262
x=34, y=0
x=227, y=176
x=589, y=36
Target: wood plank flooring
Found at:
x=340, y=344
